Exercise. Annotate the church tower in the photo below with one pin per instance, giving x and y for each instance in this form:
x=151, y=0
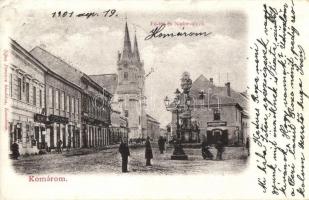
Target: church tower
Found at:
x=131, y=86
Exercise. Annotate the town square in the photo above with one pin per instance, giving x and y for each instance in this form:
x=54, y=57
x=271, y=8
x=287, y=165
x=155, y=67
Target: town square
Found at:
x=64, y=120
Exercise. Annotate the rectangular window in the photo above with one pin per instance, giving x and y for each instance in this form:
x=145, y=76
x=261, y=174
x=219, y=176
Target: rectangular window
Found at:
x=69, y=104
x=57, y=99
x=217, y=114
x=11, y=85
x=73, y=105
x=34, y=95
x=62, y=101
x=77, y=106
x=40, y=93
x=19, y=88
x=125, y=75
x=27, y=93
x=50, y=97
x=126, y=113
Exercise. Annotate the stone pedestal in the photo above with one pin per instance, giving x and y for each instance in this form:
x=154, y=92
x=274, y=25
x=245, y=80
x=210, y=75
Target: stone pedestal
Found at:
x=178, y=153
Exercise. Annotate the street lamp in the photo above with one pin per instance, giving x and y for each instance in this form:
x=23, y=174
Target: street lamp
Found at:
x=178, y=153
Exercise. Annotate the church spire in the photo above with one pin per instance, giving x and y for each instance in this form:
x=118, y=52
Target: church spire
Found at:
x=135, y=50
x=127, y=51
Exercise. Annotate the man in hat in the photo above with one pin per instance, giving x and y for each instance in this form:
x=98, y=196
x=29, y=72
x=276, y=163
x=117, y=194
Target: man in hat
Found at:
x=161, y=143
x=148, y=152
x=125, y=152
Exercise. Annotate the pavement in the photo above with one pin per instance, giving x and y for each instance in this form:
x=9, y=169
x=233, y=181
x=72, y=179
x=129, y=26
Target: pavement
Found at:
x=93, y=161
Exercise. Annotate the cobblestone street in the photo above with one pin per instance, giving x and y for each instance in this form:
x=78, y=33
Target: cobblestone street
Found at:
x=109, y=161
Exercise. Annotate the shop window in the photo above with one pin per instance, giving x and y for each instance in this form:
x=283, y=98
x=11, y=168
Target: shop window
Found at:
x=34, y=95
x=217, y=114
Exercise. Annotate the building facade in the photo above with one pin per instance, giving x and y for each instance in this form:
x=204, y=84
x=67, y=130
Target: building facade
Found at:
x=219, y=112
x=96, y=114
x=63, y=112
x=78, y=109
x=63, y=105
x=27, y=95
x=119, y=127
x=153, y=128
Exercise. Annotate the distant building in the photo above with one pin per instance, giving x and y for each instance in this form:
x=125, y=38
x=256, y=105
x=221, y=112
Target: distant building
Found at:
x=153, y=128
x=164, y=133
x=219, y=111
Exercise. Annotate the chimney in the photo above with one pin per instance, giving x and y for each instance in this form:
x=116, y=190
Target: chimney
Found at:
x=228, y=88
x=211, y=81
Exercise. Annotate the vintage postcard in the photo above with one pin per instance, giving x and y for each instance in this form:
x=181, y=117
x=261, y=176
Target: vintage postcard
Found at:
x=154, y=99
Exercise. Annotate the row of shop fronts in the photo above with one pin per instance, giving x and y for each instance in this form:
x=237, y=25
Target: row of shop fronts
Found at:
x=48, y=109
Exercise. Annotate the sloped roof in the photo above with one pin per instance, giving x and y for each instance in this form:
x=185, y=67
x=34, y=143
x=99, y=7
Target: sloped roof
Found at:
x=107, y=81
x=202, y=83
x=57, y=65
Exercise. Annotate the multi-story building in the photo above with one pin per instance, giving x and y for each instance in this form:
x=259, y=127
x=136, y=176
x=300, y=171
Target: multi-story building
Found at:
x=77, y=106
x=219, y=111
x=96, y=114
x=27, y=94
x=63, y=103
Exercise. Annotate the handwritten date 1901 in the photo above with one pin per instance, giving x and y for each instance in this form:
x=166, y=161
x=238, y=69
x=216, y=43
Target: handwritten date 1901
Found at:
x=106, y=13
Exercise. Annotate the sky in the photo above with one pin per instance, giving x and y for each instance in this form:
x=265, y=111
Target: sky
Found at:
x=91, y=45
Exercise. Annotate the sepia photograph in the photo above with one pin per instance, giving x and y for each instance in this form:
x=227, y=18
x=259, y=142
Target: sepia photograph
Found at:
x=134, y=93
x=165, y=100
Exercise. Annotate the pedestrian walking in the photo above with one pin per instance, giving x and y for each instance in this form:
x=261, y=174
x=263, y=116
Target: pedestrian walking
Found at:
x=207, y=155
x=248, y=146
x=148, y=152
x=59, y=146
x=161, y=143
x=125, y=153
x=15, y=150
x=220, y=149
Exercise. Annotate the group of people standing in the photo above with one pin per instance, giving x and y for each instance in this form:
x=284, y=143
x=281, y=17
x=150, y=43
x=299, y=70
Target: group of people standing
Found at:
x=125, y=152
x=207, y=155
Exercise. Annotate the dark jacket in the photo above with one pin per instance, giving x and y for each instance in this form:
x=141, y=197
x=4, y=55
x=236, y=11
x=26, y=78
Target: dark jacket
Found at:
x=161, y=143
x=148, y=150
x=247, y=144
x=220, y=146
x=124, y=150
